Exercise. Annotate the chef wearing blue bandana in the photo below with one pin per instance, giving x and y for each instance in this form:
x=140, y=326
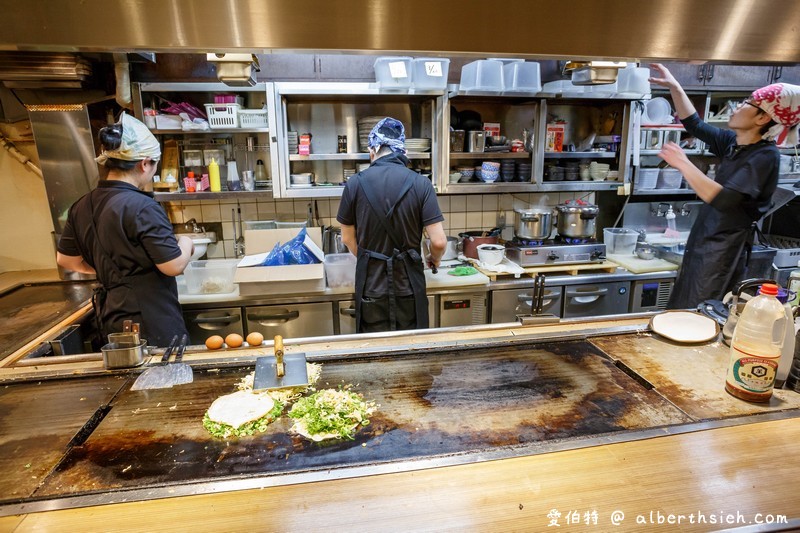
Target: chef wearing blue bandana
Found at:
x=383, y=212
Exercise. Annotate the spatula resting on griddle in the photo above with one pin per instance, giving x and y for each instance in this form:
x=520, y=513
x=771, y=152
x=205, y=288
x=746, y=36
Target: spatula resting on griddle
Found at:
x=283, y=371
x=155, y=374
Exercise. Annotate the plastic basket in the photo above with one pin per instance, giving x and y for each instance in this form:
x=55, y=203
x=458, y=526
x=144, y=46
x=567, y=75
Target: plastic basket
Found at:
x=222, y=116
x=253, y=118
x=647, y=178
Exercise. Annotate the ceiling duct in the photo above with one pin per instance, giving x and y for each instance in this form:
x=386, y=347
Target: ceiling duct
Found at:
x=43, y=70
x=236, y=70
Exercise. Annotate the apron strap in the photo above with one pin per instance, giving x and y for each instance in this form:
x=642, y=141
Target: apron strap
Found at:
x=383, y=218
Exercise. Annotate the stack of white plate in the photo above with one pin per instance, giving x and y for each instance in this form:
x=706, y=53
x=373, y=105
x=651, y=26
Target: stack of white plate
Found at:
x=418, y=145
x=363, y=166
x=291, y=137
x=365, y=126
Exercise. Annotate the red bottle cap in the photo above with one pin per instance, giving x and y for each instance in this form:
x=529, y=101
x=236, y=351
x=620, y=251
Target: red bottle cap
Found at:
x=190, y=174
x=769, y=289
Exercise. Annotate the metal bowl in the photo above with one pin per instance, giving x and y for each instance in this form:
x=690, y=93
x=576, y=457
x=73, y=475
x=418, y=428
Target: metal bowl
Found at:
x=646, y=252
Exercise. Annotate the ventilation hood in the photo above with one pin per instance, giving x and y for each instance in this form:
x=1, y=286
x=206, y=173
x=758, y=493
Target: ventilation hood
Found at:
x=40, y=70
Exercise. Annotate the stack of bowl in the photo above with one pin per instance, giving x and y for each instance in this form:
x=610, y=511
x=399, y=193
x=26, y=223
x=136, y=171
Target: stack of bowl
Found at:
x=490, y=171
x=598, y=171
x=365, y=126
x=466, y=173
x=507, y=170
x=572, y=171
x=524, y=170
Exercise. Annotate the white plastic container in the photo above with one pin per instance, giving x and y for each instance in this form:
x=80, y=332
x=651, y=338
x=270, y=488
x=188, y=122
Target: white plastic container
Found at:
x=756, y=347
x=562, y=87
x=522, y=77
x=657, y=111
x=621, y=241
x=482, y=75
x=430, y=73
x=253, y=118
x=393, y=72
x=669, y=178
x=633, y=81
x=647, y=178
x=168, y=122
x=340, y=270
x=222, y=116
x=214, y=276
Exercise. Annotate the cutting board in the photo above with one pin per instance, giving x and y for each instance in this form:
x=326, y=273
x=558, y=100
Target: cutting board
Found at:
x=641, y=266
x=444, y=280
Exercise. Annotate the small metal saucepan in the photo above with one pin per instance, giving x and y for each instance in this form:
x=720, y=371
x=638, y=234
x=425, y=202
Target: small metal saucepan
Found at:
x=645, y=251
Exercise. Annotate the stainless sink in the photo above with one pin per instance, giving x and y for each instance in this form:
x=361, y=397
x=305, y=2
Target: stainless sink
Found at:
x=672, y=253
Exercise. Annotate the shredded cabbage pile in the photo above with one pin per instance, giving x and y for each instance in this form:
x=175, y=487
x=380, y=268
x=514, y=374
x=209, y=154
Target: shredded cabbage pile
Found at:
x=331, y=414
x=285, y=396
x=225, y=431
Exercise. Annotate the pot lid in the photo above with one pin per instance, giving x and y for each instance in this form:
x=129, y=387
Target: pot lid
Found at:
x=577, y=206
x=534, y=210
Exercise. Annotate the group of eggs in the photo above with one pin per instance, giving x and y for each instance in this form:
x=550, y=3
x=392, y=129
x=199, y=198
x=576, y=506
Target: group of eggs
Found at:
x=234, y=340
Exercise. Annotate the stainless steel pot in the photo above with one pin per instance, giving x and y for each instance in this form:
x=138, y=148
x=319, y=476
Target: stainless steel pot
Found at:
x=534, y=223
x=576, y=219
x=450, y=250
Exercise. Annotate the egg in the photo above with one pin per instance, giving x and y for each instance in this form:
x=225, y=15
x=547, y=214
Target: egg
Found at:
x=214, y=342
x=255, y=339
x=234, y=340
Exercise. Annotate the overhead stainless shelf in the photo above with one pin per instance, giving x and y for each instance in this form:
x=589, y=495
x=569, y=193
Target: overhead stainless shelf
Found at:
x=350, y=157
x=223, y=195
x=490, y=155
x=580, y=155
x=209, y=132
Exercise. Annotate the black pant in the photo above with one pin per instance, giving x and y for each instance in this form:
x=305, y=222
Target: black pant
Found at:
x=375, y=314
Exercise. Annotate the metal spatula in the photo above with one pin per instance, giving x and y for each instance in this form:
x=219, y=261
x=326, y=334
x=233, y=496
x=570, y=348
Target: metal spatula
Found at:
x=180, y=373
x=282, y=371
x=154, y=375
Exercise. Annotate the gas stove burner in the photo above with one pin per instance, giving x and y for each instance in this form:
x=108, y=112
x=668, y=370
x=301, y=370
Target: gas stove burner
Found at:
x=575, y=240
x=528, y=242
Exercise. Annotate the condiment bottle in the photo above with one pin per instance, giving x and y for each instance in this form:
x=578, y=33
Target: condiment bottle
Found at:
x=787, y=351
x=261, y=171
x=213, y=176
x=189, y=182
x=756, y=347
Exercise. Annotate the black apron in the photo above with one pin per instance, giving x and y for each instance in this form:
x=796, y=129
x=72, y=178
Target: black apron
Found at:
x=147, y=298
x=386, y=306
x=712, y=263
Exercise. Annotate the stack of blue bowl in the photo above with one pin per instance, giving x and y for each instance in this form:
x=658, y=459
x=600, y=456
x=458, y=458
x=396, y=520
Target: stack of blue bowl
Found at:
x=507, y=170
x=490, y=171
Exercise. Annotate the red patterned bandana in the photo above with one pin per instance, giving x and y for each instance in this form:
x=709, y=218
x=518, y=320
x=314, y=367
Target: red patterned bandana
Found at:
x=781, y=101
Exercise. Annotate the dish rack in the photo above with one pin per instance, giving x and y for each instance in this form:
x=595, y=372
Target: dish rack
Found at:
x=222, y=116
x=788, y=250
x=253, y=118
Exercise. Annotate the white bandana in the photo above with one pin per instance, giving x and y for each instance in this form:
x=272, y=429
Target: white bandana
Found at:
x=137, y=143
x=781, y=101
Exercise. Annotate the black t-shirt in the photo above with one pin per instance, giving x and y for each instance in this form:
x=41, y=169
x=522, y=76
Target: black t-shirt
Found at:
x=417, y=209
x=132, y=227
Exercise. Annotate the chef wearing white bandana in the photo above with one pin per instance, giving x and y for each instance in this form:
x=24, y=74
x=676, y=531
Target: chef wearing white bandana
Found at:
x=121, y=234
x=721, y=238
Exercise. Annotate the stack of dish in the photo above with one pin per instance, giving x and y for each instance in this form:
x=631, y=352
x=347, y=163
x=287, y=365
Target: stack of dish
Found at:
x=348, y=172
x=598, y=171
x=291, y=137
x=302, y=180
x=490, y=171
x=418, y=145
x=365, y=126
x=361, y=167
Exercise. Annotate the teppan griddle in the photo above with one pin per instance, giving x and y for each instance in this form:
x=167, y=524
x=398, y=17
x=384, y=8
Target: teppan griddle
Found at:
x=442, y=404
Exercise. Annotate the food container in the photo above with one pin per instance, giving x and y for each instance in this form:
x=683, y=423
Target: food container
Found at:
x=621, y=241
x=554, y=139
x=457, y=141
x=576, y=219
x=522, y=77
x=657, y=111
x=450, y=250
x=214, y=276
x=393, y=72
x=123, y=354
x=647, y=178
x=476, y=141
x=168, y=122
x=491, y=254
x=305, y=178
x=534, y=223
x=634, y=80
x=669, y=178
x=340, y=270
x=645, y=251
x=482, y=75
x=430, y=72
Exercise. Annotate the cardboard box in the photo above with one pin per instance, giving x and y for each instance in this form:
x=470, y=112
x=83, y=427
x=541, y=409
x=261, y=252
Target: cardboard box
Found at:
x=554, y=140
x=289, y=279
x=492, y=129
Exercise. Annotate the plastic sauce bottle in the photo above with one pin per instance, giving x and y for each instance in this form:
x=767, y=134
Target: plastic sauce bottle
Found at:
x=213, y=176
x=756, y=347
x=794, y=285
x=787, y=351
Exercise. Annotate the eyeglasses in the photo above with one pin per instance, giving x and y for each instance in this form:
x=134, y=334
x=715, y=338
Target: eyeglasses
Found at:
x=750, y=103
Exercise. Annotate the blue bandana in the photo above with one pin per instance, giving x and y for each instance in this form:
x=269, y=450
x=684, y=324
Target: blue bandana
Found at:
x=388, y=132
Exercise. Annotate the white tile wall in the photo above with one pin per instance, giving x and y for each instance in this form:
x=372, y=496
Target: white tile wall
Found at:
x=461, y=212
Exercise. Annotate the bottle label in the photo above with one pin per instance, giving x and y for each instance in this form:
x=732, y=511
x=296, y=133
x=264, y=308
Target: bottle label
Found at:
x=750, y=372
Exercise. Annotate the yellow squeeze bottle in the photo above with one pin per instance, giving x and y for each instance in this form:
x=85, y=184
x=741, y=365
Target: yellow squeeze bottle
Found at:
x=213, y=176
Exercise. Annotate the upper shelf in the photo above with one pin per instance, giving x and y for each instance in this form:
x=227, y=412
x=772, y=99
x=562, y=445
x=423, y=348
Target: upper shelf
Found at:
x=580, y=155
x=490, y=155
x=209, y=132
x=350, y=157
